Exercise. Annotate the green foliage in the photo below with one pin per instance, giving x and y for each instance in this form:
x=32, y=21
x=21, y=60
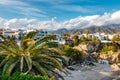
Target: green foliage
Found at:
x=116, y=38
x=87, y=32
x=18, y=76
x=76, y=40
x=74, y=53
x=85, y=39
x=37, y=57
x=52, y=44
x=96, y=40
x=66, y=35
x=68, y=51
x=106, y=48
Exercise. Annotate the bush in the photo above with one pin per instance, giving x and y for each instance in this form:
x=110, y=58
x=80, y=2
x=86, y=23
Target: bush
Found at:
x=18, y=76
x=116, y=38
x=105, y=49
x=76, y=40
x=74, y=53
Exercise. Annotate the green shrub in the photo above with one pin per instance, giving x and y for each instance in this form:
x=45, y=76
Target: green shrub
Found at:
x=105, y=49
x=18, y=76
x=116, y=38
x=74, y=53
x=76, y=40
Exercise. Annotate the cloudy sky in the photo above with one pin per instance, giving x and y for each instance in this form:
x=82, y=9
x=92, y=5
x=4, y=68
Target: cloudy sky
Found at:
x=55, y=14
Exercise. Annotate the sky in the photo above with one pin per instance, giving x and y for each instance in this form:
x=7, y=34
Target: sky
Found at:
x=55, y=14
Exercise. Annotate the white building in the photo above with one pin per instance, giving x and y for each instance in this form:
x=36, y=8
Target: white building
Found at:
x=10, y=33
x=60, y=39
x=41, y=34
x=100, y=36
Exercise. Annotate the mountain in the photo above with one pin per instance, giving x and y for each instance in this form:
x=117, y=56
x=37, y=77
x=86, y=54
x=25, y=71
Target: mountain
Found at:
x=108, y=29
x=62, y=30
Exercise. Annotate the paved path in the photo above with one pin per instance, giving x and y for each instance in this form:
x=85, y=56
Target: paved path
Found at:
x=99, y=72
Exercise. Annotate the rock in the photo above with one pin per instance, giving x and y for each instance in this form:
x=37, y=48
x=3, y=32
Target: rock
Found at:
x=92, y=47
x=115, y=67
x=112, y=57
x=71, y=68
x=115, y=57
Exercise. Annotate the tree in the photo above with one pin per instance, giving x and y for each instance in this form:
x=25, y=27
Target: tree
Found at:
x=78, y=33
x=87, y=33
x=85, y=40
x=116, y=38
x=106, y=48
x=30, y=56
x=75, y=54
x=107, y=38
x=96, y=41
x=76, y=40
x=66, y=35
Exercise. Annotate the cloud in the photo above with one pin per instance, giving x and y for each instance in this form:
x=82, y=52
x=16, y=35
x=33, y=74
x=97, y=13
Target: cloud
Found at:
x=65, y=5
x=94, y=20
x=72, y=8
x=40, y=9
x=29, y=11
x=21, y=7
x=78, y=22
x=12, y=3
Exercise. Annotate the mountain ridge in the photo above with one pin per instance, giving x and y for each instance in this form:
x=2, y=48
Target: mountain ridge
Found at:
x=108, y=29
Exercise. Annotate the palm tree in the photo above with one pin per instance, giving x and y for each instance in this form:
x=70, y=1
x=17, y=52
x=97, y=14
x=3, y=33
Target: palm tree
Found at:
x=87, y=33
x=30, y=56
x=76, y=40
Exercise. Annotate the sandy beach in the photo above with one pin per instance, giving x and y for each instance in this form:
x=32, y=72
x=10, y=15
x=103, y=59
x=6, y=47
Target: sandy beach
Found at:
x=98, y=72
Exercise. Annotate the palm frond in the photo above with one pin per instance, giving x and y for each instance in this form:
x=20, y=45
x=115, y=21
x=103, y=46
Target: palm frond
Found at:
x=58, y=75
x=29, y=62
x=13, y=45
x=39, y=68
x=4, y=52
x=36, y=51
x=42, y=40
x=48, y=58
x=26, y=44
x=56, y=51
x=40, y=56
x=45, y=50
x=50, y=64
x=9, y=66
x=5, y=60
x=50, y=44
x=9, y=50
x=28, y=36
x=3, y=38
x=52, y=72
x=60, y=58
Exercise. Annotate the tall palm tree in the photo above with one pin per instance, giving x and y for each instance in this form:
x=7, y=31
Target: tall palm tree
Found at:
x=30, y=56
x=87, y=33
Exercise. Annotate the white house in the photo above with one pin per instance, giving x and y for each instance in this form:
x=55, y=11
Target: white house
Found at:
x=10, y=33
